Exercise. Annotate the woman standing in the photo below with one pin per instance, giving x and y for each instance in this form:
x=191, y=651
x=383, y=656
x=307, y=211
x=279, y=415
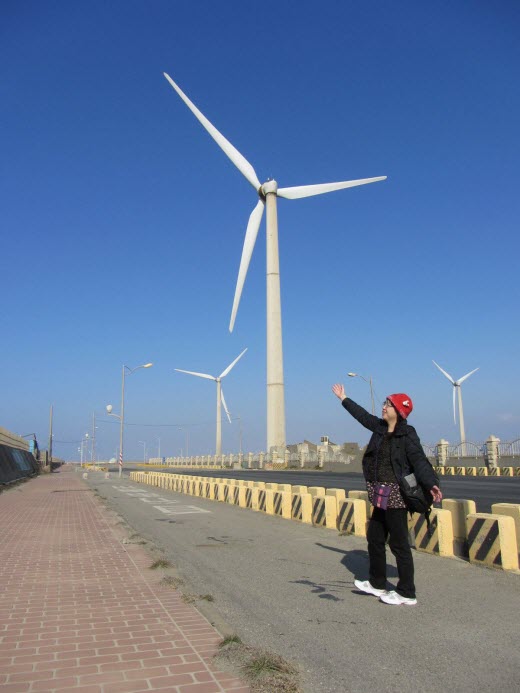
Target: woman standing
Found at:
x=393, y=451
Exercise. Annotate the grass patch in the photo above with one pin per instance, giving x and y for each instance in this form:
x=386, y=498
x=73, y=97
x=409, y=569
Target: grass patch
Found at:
x=230, y=639
x=267, y=663
x=160, y=563
x=207, y=597
x=264, y=671
x=170, y=581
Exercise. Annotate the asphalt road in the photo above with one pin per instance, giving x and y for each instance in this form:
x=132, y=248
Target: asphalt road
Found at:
x=483, y=490
x=289, y=587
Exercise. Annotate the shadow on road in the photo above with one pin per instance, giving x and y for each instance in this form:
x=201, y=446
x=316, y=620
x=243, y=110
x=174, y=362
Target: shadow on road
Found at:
x=356, y=561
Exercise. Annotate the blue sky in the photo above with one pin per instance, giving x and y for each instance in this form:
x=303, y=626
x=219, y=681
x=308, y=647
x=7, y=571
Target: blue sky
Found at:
x=123, y=222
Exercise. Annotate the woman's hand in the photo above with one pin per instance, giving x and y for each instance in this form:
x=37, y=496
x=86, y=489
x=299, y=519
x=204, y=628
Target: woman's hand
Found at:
x=436, y=493
x=339, y=391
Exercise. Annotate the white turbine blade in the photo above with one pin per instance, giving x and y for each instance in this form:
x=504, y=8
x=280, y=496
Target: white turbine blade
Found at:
x=249, y=243
x=454, y=405
x=309, y=190
x=224, y=373
x=461, y=380
x=200, y=375
x=224, y=404
x=236, y=157
x=444, y=372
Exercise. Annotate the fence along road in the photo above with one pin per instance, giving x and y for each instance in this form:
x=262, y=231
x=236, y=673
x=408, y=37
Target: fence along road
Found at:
x=483, y=490
x=289, y=587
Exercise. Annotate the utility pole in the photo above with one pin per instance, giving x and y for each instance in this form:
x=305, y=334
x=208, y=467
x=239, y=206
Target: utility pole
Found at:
x=93, y=443
x=50, y=437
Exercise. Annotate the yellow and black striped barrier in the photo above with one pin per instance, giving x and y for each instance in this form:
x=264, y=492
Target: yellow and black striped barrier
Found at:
x=352, y=517
x=511, y=510
x=492, y=541
x=438, y=538
x=324, y=511
x=282, y=504
x=301, y=507
x=494, y=471
x=482, y=471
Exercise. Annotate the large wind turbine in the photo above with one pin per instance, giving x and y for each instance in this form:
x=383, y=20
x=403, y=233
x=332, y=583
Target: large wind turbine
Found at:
x=457, y=388
x=220, y=397
x=267, y=192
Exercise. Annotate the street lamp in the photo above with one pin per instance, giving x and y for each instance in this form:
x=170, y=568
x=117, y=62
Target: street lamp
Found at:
x=83, y=440
x=369, y=381
x=142, y=442
x=185, y=428
x=121, y=416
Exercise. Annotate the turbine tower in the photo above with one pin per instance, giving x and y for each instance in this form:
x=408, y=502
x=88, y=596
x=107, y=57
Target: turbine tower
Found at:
x=220, y=397
x=267, y=193
x=457, y=389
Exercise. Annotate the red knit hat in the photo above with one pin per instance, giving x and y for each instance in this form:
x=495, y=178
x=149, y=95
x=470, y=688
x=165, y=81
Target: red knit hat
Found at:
x=402, y=403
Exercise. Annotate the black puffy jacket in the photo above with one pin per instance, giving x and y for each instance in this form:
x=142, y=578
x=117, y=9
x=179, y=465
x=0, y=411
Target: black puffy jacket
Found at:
x=406, y=452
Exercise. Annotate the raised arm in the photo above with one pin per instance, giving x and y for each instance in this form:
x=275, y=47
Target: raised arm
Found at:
x=365, y=419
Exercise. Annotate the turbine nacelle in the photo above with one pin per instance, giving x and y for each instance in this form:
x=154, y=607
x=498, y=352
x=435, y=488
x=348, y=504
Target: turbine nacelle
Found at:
x=270, y=186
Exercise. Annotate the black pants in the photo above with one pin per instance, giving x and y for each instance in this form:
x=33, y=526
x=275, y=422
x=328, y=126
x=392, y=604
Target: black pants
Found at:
x=394, y=523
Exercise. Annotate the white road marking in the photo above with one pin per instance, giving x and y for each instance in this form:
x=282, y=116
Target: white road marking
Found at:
x=168, y=506
x=178, y=511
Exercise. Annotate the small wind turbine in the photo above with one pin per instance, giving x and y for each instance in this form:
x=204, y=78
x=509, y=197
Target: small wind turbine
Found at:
x=457, y=388
x=220, y=397
x=268, y=192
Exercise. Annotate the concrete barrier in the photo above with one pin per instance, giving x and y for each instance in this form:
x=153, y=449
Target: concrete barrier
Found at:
x=459, y=508
x=282, y=504
x=482, y=471
x=338, y=494
x=510, y=510
x=316, y=491
x=352, y=517
x=492, y=541
x=324, y=511
x=494, y=471
x=269, y=502
x=449, y=471
x=362, y=495
x=439, y=539
x=506, y=471
x=471, y=471
x=460, y=471
x=301, y=507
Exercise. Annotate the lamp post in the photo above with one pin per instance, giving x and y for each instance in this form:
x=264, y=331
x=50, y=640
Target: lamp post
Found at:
x=369, y=381
x=83, y=440
x=142, y=442
x=185, y=428
x=121, y=416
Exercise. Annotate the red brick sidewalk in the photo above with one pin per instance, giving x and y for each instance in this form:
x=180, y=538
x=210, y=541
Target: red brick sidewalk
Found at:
x=81, y=611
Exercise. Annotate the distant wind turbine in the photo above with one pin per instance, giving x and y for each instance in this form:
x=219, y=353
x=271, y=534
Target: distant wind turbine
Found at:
x=267, y=192
x=457, y=388
x=220, y=397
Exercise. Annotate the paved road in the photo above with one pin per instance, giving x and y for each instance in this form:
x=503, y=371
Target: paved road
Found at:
x=289, y=587
x=483, y=490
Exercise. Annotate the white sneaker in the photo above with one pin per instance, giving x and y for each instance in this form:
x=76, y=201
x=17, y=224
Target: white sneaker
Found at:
x=365, y=586
x=396, y=599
